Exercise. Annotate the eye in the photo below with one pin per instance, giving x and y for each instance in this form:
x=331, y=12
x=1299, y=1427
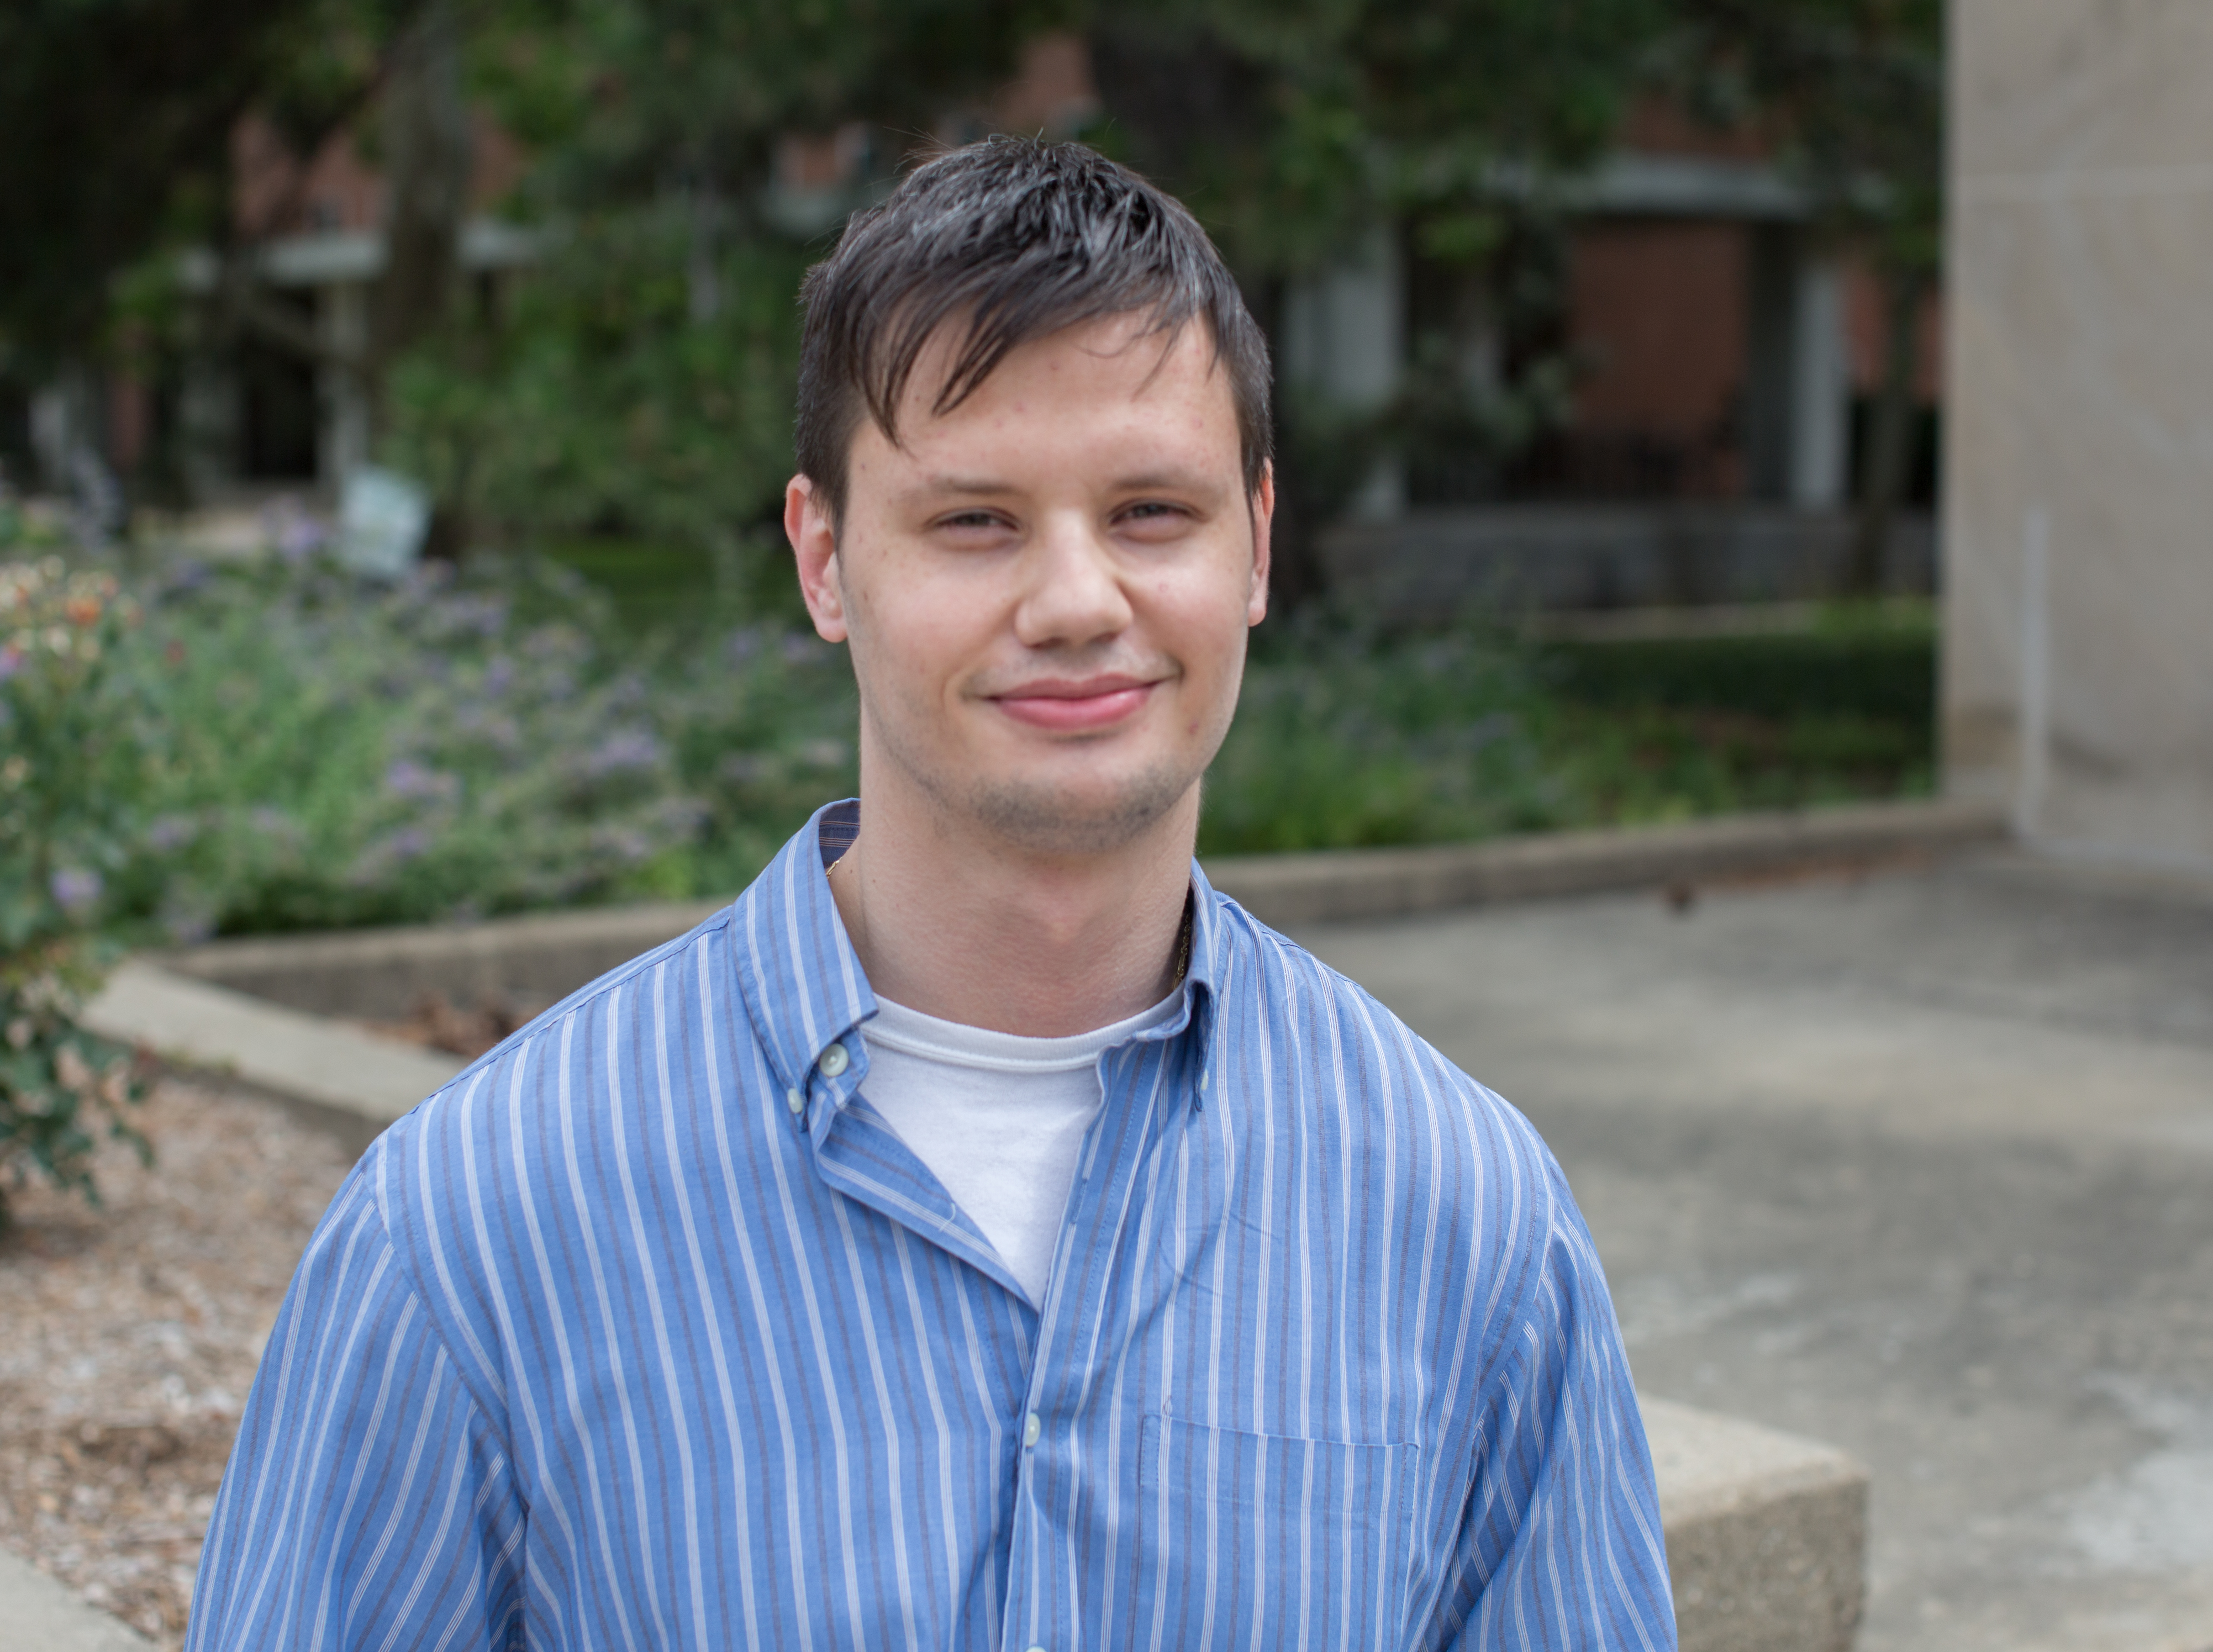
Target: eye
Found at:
x=1153, y=519
x=970, y=523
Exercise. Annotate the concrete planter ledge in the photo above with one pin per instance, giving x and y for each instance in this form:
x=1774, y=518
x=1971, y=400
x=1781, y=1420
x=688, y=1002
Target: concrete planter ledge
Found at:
x=379, y=974
x=346, y=1080
x=1352, y=884
x=1766, y=1533
x=38, y=1612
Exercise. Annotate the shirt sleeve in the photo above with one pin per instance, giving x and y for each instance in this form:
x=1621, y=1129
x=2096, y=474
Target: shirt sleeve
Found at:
x=1561, y=1543
x=367, y=1503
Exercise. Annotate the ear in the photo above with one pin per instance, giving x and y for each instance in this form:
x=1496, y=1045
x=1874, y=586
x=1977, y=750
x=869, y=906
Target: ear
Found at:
x=1262, y=508
x=813, y=539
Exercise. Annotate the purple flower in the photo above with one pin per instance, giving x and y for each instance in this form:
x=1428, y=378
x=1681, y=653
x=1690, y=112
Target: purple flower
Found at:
x=408, y=778
x=187, y=926
x=484, y=615
x=625, y=844
x=294, y=532
x=625, y=750
x=494, y=728
x=11, y=660
x=273, y=822
x=75, y=891
x=171, y=832
x=743, y=768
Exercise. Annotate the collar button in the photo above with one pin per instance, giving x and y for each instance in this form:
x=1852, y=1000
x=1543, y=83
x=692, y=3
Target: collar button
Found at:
x=833, y=1061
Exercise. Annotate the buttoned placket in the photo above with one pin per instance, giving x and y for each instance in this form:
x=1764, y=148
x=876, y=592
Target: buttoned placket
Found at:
x=1104, y=1226
x=1106, y=1220
x=1034, y=1614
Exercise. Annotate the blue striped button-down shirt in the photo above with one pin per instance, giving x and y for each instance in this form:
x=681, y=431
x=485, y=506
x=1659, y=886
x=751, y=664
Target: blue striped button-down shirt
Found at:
x=648, y=1332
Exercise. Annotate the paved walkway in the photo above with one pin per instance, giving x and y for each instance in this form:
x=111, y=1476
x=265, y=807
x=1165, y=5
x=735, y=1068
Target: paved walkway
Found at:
x=1922, y=1166
x=38, y=1614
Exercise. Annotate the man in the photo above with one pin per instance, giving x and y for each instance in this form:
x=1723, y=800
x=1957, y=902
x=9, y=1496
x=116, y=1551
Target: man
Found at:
x=982, y=1234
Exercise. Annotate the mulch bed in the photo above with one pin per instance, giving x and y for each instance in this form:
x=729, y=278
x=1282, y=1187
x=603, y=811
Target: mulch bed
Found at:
x=129, y=1336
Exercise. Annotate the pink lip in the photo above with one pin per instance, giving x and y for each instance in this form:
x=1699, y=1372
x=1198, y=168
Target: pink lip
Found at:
x=1094, y=702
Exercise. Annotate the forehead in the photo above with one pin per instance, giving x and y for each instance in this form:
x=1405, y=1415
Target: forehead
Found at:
x=1116, y=380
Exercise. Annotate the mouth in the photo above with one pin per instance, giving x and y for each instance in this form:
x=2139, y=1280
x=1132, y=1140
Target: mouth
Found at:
x=1076, y=704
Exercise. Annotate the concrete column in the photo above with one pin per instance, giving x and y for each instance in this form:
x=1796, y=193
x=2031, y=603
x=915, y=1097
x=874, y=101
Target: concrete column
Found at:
x=1345, y=340
x=2078, y=618
x=1820, y=388
x=342, y=442
x=1798, y=389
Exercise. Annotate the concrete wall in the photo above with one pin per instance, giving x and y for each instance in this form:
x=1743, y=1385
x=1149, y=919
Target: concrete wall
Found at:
x=2078, y=526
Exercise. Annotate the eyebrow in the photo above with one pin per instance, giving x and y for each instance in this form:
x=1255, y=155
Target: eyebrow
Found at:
x=946, y=483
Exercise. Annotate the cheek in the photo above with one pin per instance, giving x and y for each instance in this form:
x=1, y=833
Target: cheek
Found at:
x=914, y=636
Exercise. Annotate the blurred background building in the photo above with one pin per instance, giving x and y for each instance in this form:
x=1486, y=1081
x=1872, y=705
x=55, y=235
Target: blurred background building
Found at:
x=1641, y=366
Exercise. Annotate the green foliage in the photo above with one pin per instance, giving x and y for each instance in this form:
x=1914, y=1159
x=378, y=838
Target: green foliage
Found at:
x=602, y=404
x=277, y=746
x=116, y=117
x=74, y=739
x=341, y=755
x=1345, y=738
x=1854, y=90
x=1288, y=126
x=1885, y=673
x=641, y=383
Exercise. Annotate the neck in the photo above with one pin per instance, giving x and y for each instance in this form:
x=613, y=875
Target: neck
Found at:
x=978, y=930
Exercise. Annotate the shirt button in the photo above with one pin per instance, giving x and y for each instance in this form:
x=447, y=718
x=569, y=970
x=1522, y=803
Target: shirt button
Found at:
x=794, y=1099
x=833, y=1061
x=1031, y=1430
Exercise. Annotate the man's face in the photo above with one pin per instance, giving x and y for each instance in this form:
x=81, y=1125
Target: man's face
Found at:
x=1046, y=590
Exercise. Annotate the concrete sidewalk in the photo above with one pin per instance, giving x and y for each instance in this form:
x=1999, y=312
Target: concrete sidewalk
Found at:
x=38, y=1614
x=1921, y=1165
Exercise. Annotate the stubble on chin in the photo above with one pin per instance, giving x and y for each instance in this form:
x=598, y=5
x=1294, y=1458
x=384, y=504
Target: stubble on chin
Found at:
x=1046, y=819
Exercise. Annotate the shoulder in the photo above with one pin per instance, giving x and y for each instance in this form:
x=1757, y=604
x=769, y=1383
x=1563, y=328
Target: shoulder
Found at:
x=1276, y=992
x=1393, y=1128
x=616, y=1006
x=488, y=1177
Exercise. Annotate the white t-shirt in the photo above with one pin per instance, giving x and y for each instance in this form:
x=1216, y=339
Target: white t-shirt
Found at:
x=999, y=1118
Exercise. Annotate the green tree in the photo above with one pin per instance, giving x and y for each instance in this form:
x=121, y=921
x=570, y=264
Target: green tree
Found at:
x=115, y=121
x=1854, y=91
x=640, y=379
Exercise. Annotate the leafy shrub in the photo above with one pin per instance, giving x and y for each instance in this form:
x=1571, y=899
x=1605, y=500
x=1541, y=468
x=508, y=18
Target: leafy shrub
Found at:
x=340, y=754
x=1346, y=738
x=603, y=400
x=74, y=740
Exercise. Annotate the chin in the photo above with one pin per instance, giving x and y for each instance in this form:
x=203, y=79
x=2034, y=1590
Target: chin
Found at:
x=1092, y=816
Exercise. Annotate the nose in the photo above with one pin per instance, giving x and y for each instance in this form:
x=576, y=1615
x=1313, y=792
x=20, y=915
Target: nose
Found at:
x=1072, y=592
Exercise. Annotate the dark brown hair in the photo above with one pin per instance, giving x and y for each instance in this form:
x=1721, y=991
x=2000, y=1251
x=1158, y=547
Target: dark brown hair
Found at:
x=1013, y=240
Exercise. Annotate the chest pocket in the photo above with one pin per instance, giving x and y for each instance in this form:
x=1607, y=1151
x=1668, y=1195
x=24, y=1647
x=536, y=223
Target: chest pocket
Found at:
x=1258, y=1540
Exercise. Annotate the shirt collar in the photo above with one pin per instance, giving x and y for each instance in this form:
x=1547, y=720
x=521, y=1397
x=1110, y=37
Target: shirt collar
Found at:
x=802, y=983
x=803, y=987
